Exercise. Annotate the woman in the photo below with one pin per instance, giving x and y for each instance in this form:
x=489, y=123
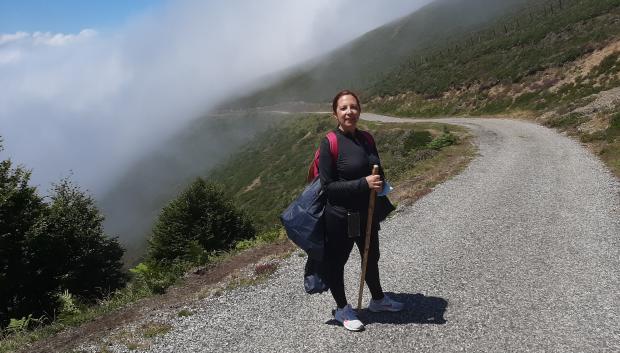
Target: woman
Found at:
x=347, y=183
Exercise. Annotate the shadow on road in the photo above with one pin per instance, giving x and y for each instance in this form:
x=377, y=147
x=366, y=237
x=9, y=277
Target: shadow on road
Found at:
x=419, y=309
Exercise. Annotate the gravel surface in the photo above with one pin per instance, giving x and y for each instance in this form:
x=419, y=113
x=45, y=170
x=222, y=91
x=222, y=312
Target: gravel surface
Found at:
x=519, y=253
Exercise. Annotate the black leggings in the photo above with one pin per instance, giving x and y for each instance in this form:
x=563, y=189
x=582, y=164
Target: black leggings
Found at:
x=338, y=248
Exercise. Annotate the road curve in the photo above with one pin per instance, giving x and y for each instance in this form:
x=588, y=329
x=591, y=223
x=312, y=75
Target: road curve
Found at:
x=519, y=253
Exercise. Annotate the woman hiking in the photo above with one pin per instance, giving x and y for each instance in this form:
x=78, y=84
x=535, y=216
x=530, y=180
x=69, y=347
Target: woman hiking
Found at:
x=347, y=183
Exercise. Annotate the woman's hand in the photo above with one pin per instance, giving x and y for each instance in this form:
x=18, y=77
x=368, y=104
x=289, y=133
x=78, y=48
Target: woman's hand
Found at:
x=374, y=182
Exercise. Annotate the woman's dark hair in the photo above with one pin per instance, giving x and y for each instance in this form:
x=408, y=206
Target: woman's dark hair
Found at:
x=344, y=92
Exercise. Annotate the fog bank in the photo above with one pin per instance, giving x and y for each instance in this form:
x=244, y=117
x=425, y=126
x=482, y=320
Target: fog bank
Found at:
x=88, y=104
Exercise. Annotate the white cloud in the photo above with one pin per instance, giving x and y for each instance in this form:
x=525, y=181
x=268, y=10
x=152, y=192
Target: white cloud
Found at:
x=91, y=102
x=58, y=39
x=8, y=38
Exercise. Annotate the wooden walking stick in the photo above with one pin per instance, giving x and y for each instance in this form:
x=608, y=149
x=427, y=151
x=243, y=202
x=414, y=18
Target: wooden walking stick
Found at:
x=371, y=211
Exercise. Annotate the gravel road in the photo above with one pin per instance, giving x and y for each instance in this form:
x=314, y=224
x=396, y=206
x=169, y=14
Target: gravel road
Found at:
x=519, y=253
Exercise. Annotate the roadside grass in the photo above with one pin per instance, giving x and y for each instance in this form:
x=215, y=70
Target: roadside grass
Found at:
x=605, y=143
x=15, y=341
x=155, y=329
x=259, y=274
x=610, y=154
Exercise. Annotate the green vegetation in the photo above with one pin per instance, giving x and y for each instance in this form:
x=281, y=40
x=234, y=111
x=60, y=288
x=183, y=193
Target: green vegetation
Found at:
x=268, y=174
x=51, y=253
x=512, y=50
x=509, y=49
x=198, y=221
x=606, y=143
x=55, y=260
x=191, y=230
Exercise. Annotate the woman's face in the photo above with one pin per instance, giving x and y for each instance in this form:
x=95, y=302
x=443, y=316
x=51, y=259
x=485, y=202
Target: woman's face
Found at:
x=347, y=113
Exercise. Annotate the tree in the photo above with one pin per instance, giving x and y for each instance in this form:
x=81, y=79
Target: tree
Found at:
x=69, y=249
x=20, y=207
x=202, y=216
x=46, y=248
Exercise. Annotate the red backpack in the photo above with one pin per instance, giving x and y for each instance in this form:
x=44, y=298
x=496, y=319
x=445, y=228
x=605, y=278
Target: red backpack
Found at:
x=313, y=170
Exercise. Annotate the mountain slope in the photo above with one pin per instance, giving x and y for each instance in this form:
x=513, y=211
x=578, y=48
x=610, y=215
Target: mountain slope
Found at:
x=366, y=60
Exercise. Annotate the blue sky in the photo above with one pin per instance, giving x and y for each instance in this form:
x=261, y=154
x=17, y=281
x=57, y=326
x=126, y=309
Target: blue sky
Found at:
x=69, y=16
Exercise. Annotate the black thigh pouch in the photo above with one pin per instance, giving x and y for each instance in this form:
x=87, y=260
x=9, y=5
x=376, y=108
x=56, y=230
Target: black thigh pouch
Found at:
x=353, y=224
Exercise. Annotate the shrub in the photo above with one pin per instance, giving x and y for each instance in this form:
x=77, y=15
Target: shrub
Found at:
x=443, y=140
x=67, y=305
x=71, y=251
x=156, y=277
x=417, y=139
x=23, y=324
x=595, y=136
x=566, y=121
x=265, y=237
x=613, y=130
x=48, y=246
x=200, y=215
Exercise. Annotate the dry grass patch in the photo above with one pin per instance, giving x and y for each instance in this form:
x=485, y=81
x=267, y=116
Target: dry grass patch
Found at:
x=420, y=180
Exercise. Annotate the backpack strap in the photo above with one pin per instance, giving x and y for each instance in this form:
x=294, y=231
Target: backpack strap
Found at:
x=313, y=171
x=333, y=146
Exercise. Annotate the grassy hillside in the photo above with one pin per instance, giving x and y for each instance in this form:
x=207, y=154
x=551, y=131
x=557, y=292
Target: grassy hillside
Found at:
x=366, y=60
x=267, y=174
x=459, y=77
x=561, y=69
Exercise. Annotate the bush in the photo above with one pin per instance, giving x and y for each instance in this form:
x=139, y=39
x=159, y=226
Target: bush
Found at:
x=595, y=136
x=613, y=131
x=417, y=139
x=444, y=140
x=566, y=121
x=202, y=216
x=156, y=277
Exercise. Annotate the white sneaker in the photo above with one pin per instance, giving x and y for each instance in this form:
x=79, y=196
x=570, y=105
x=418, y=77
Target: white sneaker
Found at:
x=348, y=318
x=385, y=304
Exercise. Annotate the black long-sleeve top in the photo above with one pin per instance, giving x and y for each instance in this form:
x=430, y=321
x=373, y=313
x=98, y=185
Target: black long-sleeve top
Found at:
x=346, y=185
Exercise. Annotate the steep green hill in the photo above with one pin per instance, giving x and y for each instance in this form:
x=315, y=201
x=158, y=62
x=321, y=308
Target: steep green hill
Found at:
x=452, y=44
x=366, y=60
x=515, y=50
